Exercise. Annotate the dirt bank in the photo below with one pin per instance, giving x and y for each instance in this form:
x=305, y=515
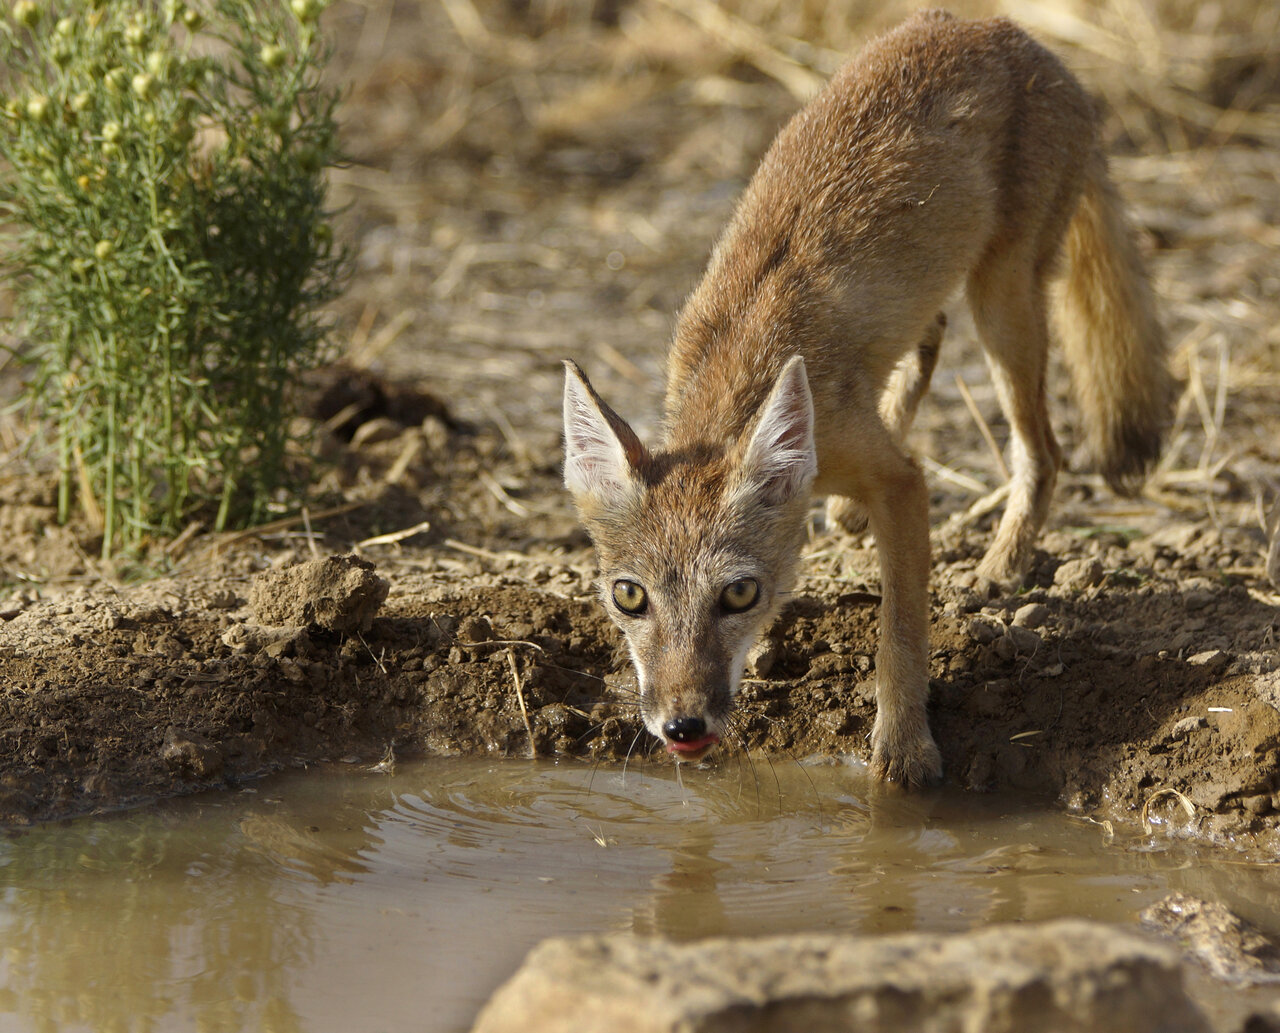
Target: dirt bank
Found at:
x=1128, y=667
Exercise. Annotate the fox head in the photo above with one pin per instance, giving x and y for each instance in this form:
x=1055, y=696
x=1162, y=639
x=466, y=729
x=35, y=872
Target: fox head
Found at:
x=697, y=544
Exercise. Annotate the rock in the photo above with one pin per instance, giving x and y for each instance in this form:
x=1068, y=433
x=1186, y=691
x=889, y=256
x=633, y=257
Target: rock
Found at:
x=763, y=655
x=1186, y=726
x=1025, y=641
x=256, y=638
x=1231, y=947
x=190, y=755
x=1032, y=615
x=1046, y=978
x=1077, y=575
x=336, y=593
x=474, y=630
x=1214, y=661
x=984, y=630
x=837, y=721
x=1197, y=599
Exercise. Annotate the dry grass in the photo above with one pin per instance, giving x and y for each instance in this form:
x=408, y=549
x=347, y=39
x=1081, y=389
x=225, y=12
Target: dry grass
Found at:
x=568, y=124
x=1183, y=73
x=1149, y=807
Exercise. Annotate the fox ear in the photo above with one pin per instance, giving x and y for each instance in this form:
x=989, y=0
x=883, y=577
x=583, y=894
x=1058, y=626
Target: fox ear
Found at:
x=601, y=453
x=780, y=459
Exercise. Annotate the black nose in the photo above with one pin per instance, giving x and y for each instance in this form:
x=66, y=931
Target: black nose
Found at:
x=685, y=729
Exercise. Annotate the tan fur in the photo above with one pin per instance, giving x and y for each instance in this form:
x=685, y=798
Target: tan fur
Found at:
x=948, y=154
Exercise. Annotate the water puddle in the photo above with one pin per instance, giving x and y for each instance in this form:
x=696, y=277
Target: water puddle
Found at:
x=340, y=900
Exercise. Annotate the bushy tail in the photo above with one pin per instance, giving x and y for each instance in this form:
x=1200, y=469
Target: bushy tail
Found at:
x=1114, y=345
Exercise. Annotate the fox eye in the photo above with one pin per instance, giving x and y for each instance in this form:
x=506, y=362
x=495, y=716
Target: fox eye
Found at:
x=630, y=597
x=740, y=595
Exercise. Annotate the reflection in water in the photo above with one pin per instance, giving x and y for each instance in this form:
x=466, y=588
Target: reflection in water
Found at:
x=102, y=919
x=346, y=900
x=686, y=901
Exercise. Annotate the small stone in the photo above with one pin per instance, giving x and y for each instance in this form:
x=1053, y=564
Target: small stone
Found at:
x=959, y=599
x=1186, y=726
x=222, y=599
x=1032, y=615
x=984, y=630
x=836, y=721
x=762, y=657
x=1197, y=599
x=1024, y=640
x=1258, y=805
x=1077, y=575
x=257, y=638
x=190, y=755
x=1212, y=660
x=475, y=630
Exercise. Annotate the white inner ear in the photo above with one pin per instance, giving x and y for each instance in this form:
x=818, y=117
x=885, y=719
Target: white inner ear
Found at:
x=781, y=460
x=595, y=462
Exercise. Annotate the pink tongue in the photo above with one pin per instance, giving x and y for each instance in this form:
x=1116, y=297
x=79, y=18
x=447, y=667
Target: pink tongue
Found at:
x=693, y=747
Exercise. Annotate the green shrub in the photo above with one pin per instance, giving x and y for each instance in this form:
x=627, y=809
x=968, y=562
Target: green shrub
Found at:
x=170, y=251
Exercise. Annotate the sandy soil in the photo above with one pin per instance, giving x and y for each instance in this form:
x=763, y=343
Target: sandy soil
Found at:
x=546, y=182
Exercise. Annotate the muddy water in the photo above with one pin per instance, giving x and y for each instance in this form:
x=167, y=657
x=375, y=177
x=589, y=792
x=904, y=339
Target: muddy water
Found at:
x=344, y=899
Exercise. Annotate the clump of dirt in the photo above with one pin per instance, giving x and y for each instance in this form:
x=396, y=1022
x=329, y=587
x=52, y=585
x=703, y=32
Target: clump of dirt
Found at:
x=333, y=593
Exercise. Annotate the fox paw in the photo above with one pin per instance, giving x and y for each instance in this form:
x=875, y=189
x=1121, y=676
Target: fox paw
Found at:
x=985, y=587
x=999, y=574
x=913, y=763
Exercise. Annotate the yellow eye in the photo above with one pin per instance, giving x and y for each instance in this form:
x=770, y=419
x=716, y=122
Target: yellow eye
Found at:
x=629, y=597
x=740, y=595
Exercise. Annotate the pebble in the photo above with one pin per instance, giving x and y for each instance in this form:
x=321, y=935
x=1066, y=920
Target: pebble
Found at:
x=985, y=629
x=1032, y=615
x=1024, y=640
x=1078, y=574
x=1186, y=726
x=1212, y=660
x=475, y=630
x=837, y=721
x=762, y=657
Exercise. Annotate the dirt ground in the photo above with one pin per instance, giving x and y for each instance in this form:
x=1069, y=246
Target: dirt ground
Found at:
x=530, y=181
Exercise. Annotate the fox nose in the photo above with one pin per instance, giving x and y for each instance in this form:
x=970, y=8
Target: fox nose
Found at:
x=685, y=729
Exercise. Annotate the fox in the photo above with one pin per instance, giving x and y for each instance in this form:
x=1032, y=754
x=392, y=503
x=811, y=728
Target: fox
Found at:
x=947, y=156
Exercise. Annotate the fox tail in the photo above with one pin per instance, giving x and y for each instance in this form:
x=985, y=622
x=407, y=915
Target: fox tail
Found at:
x=1114, y=345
